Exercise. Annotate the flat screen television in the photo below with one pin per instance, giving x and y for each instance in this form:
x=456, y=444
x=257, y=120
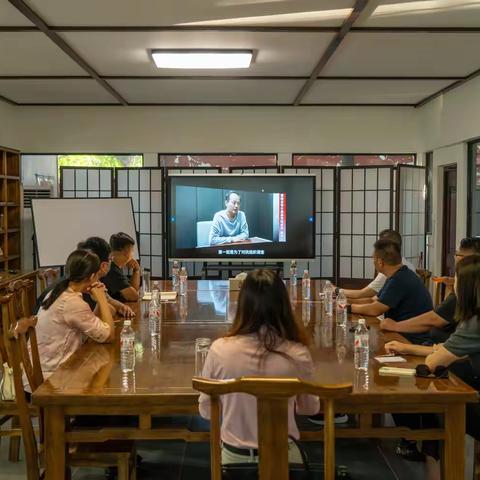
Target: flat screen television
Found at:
x=241, y=217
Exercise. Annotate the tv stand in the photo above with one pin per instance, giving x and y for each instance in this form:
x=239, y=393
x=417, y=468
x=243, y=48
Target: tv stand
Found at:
x=239, y=267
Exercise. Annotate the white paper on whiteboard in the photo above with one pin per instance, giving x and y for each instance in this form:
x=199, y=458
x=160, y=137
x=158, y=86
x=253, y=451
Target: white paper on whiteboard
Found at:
x=61, y=223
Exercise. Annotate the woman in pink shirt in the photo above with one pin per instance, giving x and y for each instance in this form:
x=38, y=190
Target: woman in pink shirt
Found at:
x=65, y=320
x=265, y=340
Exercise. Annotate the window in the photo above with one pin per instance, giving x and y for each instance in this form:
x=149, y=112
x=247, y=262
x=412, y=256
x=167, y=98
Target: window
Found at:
x=428, y=192
x=112, y=160
x=474, y=188
x=351, y=160
x=223, y=161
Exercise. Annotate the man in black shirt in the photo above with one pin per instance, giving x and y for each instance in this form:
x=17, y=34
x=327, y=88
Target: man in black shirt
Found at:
x=440, y=322
x=117, y=283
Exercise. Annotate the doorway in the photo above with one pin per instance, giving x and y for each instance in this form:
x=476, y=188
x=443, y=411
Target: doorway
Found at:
x=449, y=227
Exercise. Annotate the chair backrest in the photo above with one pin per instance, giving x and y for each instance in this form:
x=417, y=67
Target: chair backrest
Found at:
x=425, y=275
x=47, y=277
x=443, y=287
x=8, y=317
x=203, y=231
x=21, y=289
x=272, y=412
x=24, y=353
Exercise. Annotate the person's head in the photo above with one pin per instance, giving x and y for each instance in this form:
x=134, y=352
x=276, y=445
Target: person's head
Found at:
x=100, y=248
x=386, y=255
x=392, y=235
x=81, y=271
x=264, y=309
x=467, y=287
x=468, y=246
x=122, y=247
x=232, y=202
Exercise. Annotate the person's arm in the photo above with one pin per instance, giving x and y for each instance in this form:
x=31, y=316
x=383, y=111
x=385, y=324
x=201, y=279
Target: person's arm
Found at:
x=208, y=372
x=366, y=292
x=421, y=323
x=135, y=278
x=243, y=235
x=440, y=357
x=105, y=314
x=129, y=294
x=306, y=404
x=120, y=308
x=214, y=237
x=407, y=348
x=360, y=301
x=373, y=309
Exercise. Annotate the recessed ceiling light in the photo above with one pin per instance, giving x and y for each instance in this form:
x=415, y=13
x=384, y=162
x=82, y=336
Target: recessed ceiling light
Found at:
x=424, y=6
x=212, y=59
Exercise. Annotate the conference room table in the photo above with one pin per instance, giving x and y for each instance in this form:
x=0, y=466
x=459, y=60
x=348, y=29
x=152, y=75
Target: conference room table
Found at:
x=91, y=382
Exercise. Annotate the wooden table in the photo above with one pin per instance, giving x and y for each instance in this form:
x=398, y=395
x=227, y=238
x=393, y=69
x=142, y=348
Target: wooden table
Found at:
x=91, y=382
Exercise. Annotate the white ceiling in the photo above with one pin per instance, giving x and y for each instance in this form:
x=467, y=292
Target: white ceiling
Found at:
x=282, y=52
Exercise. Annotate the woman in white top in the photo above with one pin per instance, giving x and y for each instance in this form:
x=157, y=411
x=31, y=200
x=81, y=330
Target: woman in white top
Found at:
x=65, y=320
x=265, y=340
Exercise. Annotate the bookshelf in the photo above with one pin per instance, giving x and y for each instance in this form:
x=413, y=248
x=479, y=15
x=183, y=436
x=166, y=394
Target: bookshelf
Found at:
x=10, y=207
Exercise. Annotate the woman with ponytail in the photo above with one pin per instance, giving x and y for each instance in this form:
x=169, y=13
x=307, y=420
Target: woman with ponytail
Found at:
x=65, y=319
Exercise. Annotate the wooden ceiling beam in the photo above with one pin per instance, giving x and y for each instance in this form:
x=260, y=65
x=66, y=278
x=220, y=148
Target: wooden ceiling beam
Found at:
x=23, y=8
x=331, y=49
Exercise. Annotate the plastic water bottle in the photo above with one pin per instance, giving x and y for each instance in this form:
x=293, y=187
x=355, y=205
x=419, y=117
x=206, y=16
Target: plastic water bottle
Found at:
x=342, y=314
x=293, y=273
x=306, y=285
x=127, y=347
x=183, y=281
x=361, y=345
x=155, y=314
x=175, y=274
x=329, y=298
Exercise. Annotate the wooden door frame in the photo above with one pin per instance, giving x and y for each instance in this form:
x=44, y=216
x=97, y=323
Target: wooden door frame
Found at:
x=445, y=170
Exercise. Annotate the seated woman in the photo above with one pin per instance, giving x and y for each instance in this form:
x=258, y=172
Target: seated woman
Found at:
x=65, y=319
x=265, y=340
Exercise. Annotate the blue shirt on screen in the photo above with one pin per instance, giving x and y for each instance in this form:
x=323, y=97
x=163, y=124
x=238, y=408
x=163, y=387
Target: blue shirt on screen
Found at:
x=406, y=296
x=224, y=230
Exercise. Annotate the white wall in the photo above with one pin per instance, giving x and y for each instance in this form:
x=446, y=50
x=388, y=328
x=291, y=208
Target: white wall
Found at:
x=220, y=129
x=8, y=123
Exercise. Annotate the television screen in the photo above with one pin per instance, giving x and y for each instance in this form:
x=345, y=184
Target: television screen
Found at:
x=241, y=216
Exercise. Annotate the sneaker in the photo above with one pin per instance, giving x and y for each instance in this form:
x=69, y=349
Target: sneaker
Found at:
x=319, y=418
x=407, y=449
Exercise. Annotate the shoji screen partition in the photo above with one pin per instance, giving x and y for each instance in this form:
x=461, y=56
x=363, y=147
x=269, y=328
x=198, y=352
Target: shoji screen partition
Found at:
x=365, y=208
x=193, y=268
x=239, y=170
x=323, y=265
x=410, y=211
x=83, y=182
x=145, y=187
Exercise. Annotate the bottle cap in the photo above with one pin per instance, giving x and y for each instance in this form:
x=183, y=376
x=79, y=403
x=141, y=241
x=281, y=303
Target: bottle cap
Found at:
x=340, y=290
x=127, y=323
x=305, y=271
x=361, y=321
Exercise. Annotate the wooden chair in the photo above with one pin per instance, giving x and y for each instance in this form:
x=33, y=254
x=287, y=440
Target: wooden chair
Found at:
x=272, y=410
x=47, y=277
x=425, y=275
x=442, y=288
x=21, y=289
x=21, y=336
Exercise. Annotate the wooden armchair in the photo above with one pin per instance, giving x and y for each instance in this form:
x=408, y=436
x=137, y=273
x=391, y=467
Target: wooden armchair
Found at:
x=443, y=287
x=272, y=410
x=47, y=277
x=21, y=336
x=21, y=290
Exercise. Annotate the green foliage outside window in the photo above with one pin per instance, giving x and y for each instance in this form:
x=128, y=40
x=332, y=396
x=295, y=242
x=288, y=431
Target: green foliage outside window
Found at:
x=100, y=161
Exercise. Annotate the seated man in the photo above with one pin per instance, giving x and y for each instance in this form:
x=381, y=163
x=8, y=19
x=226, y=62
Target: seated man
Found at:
x=378, y=282
x=229, y=225
x=117, y=283
x=440, y=322
x=403, y=296
x=102, y=249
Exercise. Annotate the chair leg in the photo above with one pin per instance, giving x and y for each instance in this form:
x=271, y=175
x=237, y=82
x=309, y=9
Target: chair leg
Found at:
x=123, y=466
x=14, y=452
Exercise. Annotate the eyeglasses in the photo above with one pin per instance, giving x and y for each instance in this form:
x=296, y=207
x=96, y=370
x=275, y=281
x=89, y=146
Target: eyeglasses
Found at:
x=423, y=370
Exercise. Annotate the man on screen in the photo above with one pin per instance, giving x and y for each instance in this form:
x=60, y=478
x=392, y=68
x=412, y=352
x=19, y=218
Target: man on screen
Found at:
x=229, y=225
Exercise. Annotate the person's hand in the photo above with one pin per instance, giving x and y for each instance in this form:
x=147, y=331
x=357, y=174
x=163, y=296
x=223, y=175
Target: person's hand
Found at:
x=388, y=324
x=125, y=311
x=97, y=290
x=396, y=347
x=133, y=264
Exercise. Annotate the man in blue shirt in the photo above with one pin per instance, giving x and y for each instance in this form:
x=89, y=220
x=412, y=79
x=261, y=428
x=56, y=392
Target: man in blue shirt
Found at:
x=229, y=225
x=403, y=296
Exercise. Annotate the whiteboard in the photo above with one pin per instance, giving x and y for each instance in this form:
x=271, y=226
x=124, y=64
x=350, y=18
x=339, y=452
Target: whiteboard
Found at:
x=61, y=223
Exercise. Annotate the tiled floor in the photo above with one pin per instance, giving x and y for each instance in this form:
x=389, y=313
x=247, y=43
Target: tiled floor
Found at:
x=176, y=460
